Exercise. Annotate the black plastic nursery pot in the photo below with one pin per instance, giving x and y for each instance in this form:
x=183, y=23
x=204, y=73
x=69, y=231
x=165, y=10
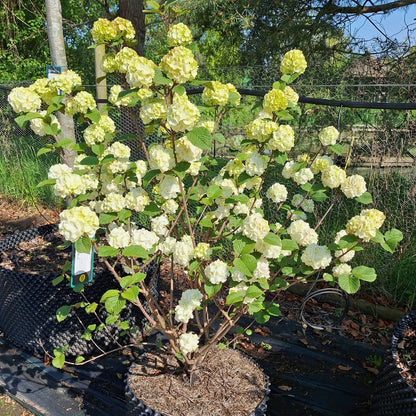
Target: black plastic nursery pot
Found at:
x=393, y=396
x=29, y=301
x=136, y=407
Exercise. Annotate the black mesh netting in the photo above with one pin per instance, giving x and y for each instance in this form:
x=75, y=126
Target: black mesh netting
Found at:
x=29, y=301
x=393, y=396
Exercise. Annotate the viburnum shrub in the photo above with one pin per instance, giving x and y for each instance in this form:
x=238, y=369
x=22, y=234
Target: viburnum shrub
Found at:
x=203, y=213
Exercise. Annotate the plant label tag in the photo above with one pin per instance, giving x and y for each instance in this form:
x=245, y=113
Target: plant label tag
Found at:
x=82, y=267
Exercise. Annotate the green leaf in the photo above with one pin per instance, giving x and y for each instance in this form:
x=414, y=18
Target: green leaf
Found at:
x=319, y=196
x=79, y=359
x=218, y=137
x=131, y=293
x=24, y=118
x=278, y=85
x=83, y=245
x=59, y=360
x=242, y=268
x=124, y=214
x=64, y=142
x=98, y=149
x=349, y=283
x=272, y=239
x=365, y=198
x=44, y=150
x=261, y=317
x=206, y=222
x=200, y=137
x=160, y=79
x=180, y=90
x=328, y=277
x=94, y=115
x=347, y=241
x=274, y=309
x=58, y=280
x=105, y=218
x=212, y=289
x=46, y=182
x=393, y=237
x=107, y=159
x=126, y=281
x=89, y=161
x=181, y=168
x=338, y=149
x=234, y=298
x=243, y=177
x=250, y=261
x=63, y=312
x=280, y=158
x=91, y=307
x=115, y=304
x=111, y=319
x=238, y=246
x=109, y=294
x=135, y=251
x=214, y=191
x=368, y=274
x=152, y=210
x=107, y=251
x=254, y=292
x=288, y=244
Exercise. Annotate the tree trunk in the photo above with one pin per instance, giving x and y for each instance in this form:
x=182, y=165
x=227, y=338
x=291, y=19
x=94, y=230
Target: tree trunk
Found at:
x=58, y=56
x=133, y=11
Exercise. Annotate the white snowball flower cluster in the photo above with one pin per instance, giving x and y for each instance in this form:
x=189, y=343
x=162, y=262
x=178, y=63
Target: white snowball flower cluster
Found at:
x=160, y=225
x=186, y=151
x=137, y=199
x=217, y=272
x=24, y=100
x=283, y=139
x=333, y=177
x=119, y=237
x=161, y=158
x=344, y=255
x=353, y=186
x=255, y=227
x=341, y=269
x=183, y=252
x=144, y=238
x=169, y=187
x=38, y=125
x=328, y=136
x=317, y=257
x=277, y=193
x=188, y=342
x=189, y=301
x=302, y=233
x=77, y=222
x=366, y=224
x=179, y=35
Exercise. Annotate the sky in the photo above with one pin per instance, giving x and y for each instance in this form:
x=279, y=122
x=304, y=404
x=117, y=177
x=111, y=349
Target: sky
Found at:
x=392, y=25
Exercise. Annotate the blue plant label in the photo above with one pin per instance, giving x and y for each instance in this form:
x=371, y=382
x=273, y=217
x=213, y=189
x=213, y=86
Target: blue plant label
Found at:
x=82, y=267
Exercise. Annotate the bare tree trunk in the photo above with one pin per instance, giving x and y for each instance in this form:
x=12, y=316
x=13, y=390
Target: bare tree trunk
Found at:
x=133, y=11
x=58, y=56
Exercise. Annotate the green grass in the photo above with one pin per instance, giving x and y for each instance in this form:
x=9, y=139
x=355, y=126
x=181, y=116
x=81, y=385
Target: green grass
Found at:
x=21, y=171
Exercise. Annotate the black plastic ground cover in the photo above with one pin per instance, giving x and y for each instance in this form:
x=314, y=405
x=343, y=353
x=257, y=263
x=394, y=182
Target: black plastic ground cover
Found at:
x=311, y=380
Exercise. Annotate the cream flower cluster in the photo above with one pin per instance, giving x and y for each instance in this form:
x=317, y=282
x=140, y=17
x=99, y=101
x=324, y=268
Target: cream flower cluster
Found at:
x=24, y=100
x=189, y=301
x=283, y=139
x=274, y=100
x=153, y=109
x=317, y=257
x=217, y=93
x=69, y=183
x=161, y=158
x=353, y=186
x=80, y=103
x=186, y=151
x=179, y=65
x=140, y=72
x=217, y=272
x=182, y=115
x=105, y=31
x=188, y=342
x=328, y=136
x=344, y=255
x=77, y=222
x=333, y=176
x=302, y=233
x=65, y=82
x=183, y=251
x=179, y=35
x=366, y=224
x=255, y=227
x=293, y=62
x=97, y=132
x=277, y=193
x=260, y=129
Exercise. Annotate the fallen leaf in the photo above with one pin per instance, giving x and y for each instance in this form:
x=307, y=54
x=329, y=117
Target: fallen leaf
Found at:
x=304, y=341
x=284, y=388
x=344, y=367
